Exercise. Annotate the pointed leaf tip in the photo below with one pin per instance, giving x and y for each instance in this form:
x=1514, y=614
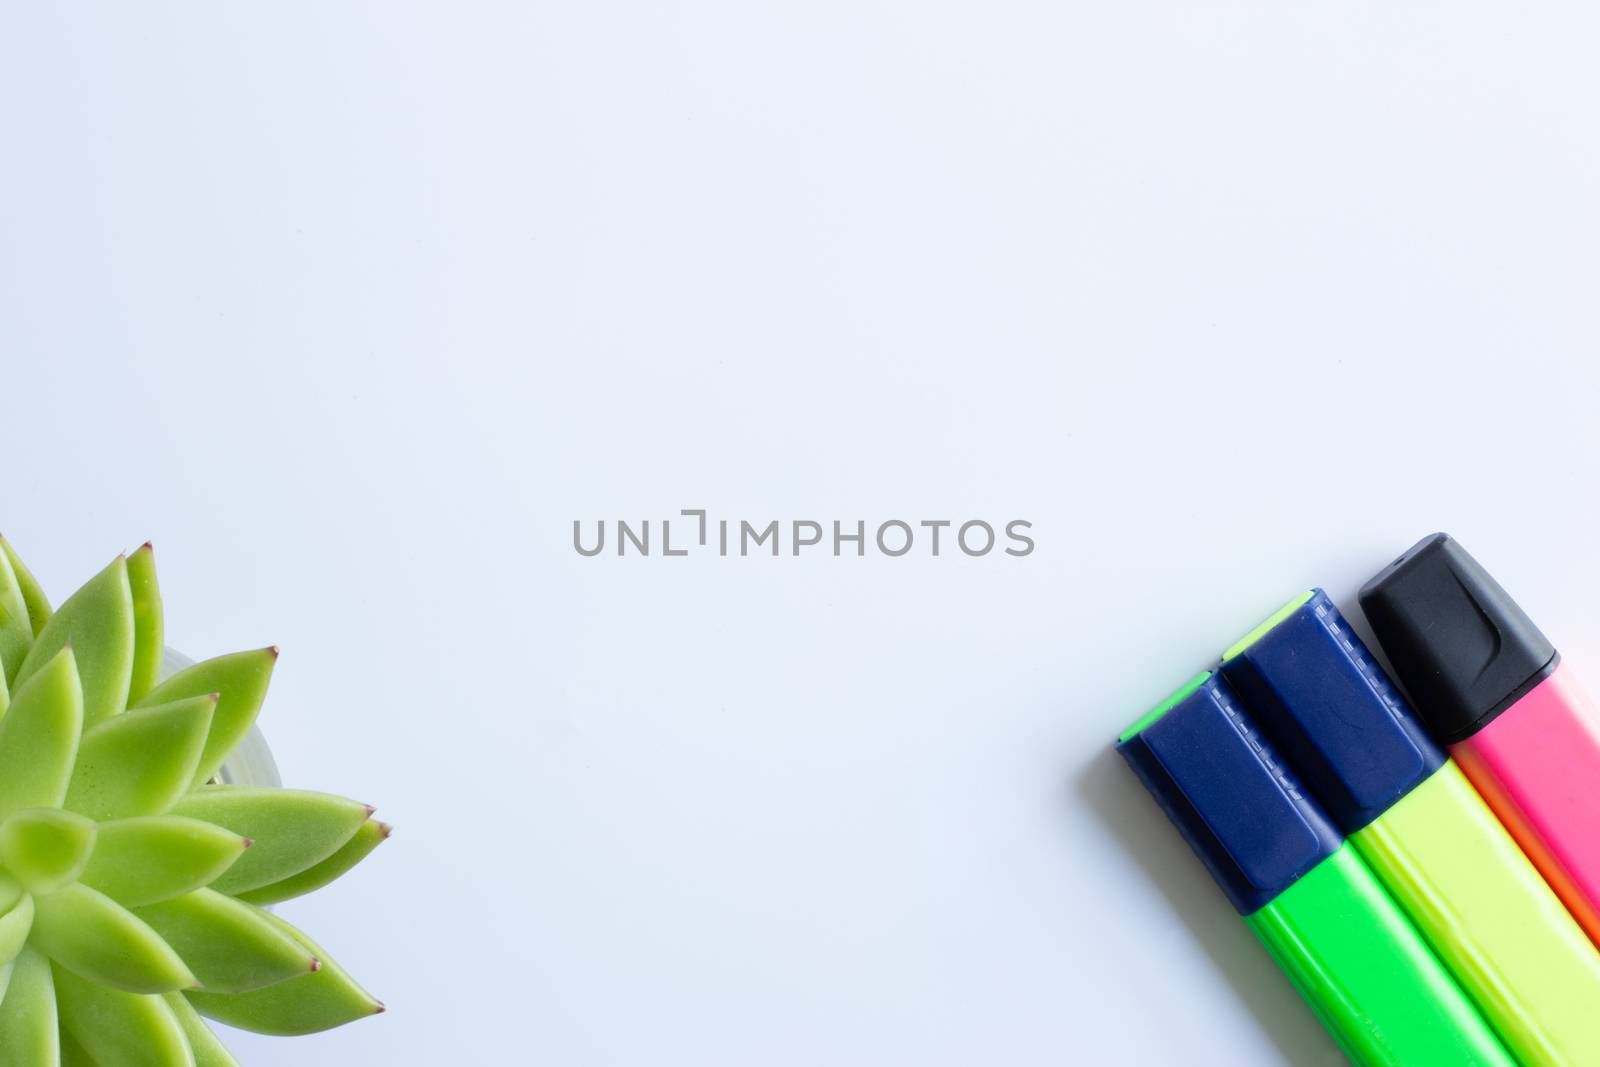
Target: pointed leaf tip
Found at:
x=229, y=945
x=140, y=762
x=308, y=1004
x=35, y=605
x=367, y=838
x=149, y=628
x=239, y=682
x=98, y=620
x=16, y=628
x=293, y=829
x=149, y=860
x=91, y=935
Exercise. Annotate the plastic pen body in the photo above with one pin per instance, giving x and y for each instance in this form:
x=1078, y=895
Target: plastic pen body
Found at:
x=1357, y=960
x=1486, y=910
x=1492, y=688
x=1538, y=766
x=1420, y=825
x=1308, y=896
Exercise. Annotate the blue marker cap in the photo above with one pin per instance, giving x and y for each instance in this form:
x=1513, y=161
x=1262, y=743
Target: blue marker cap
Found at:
x=1231, y=797
x=1318, y=693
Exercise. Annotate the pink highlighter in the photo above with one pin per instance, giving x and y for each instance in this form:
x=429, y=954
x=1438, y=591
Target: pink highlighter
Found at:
x=1493, y=689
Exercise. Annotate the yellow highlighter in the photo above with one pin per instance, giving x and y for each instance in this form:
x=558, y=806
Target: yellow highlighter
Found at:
x=1316, y=691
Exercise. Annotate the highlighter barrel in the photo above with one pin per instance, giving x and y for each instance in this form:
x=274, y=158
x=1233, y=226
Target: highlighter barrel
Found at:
x=1493, y=688
x=1317, y=692
x=1309, y=896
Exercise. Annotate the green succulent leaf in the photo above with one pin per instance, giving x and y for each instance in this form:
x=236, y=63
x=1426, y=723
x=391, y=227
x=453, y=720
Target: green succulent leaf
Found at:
x=16, y=629
x=371, y=834
x=131, y=889
x=292, y=829
x=230, y=945
x=148, y=629
x=33, y=598
x=92, y=935
x=240, y=681
x=327, y=998
x=28, y=1022
x=140, y=762
x=15, y=926
x=39, y=737
x=149, y=859
x=209, y=1051
x=72, y=1054
x=46, y=848
x=10, y=891
x=120, y=1029
x=98, y=621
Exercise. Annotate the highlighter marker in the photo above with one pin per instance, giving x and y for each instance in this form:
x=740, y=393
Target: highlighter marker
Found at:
x=1492, y=688
x=1307, y=894
x=1338, y=720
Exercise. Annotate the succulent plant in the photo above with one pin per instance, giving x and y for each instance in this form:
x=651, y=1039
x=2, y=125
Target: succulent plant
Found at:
x=134, y=886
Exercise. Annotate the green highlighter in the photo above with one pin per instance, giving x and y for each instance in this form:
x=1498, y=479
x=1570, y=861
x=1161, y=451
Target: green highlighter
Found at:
x=1318, y=694
x=1309, y=896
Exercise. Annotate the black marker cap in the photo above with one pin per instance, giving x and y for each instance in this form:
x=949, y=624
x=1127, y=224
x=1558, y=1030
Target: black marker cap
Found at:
x=1460, y=645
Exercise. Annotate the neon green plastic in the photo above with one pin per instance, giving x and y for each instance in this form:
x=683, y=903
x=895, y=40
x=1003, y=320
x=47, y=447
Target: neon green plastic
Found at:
x=1266, y=624
x=1492, y=919
x=1162, y=708
x=1367, y=973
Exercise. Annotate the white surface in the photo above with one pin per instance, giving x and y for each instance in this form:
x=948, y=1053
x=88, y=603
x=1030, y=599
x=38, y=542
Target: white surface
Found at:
x=354, y=308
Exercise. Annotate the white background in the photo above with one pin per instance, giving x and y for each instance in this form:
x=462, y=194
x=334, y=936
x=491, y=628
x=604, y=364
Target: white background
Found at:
x=354, y=308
